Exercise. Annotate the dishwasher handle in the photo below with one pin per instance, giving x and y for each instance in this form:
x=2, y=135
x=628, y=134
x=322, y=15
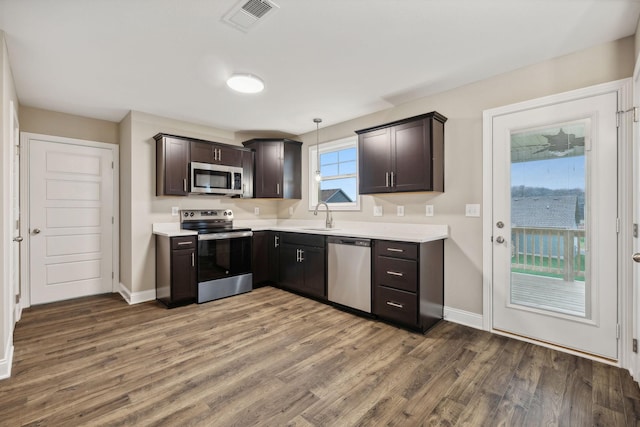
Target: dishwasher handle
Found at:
x=351, y=241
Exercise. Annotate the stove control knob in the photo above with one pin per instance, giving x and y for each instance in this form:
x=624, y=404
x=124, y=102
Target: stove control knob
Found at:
x=186, y=214
x=191, y=214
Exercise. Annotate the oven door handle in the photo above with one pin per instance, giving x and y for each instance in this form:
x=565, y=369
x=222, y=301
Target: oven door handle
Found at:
x=221, y=236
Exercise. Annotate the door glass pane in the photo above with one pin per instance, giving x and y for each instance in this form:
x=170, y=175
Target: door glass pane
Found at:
x=549, y=258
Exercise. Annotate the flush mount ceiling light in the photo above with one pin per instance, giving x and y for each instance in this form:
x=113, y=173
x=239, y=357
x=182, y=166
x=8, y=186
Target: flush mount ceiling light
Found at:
x=245, y=83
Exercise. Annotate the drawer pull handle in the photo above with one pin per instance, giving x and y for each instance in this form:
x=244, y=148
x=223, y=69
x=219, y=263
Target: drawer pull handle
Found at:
x=395, y=273
x=395, y=304
x=395, y=250
x=184, y=243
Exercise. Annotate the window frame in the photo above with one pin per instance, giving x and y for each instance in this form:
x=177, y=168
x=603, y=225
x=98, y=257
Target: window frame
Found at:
x=326, y=147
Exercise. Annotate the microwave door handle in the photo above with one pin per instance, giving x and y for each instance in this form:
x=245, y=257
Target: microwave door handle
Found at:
x=184, y=185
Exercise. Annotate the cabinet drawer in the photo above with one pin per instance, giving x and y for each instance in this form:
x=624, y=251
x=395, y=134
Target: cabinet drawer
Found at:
x=397, y=249
x=303, y=239
x=396, y=305
x=396, y=273
x=183, y=242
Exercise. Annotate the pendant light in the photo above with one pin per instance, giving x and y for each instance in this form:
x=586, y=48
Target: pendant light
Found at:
x=317, y=122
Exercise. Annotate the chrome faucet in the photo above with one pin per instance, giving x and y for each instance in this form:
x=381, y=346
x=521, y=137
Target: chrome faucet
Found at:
x=329, y=221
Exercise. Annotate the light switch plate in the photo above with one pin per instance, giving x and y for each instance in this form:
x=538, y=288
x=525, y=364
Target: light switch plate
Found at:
x=175, y=211
x=256, y=211
x=428, y=211
x=400, y=210
x=472, y=210
x=377, y=211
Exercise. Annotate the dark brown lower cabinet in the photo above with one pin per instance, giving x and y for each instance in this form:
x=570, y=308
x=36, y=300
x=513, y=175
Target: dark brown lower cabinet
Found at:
x=176, y=272
x=303, y=264
x=408, y=282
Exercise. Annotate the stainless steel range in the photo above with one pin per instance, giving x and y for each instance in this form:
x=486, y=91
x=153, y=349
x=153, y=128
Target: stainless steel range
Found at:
x=224, y=253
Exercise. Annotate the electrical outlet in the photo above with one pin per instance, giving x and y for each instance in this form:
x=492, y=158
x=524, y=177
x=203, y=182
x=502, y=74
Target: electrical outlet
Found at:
x=256, y=211
x=428, y=211
x=175, y=211
x=400, y=210
x=472, y=210
x=290, y=210
x=377, y=211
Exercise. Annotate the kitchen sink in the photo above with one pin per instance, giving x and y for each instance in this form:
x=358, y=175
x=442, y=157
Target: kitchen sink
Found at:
x=320, y=229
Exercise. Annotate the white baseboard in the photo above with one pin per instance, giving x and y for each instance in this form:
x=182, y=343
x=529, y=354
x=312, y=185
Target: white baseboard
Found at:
x=137, y=297
x=462, y=317
x=7, y=361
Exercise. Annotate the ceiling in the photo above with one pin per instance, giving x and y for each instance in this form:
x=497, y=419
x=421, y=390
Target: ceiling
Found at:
x=334, y=59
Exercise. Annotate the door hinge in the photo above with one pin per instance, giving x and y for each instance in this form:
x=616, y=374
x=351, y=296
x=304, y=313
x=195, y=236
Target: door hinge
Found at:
x=111, y=165
x=113, y=275
x=617, y=330
x=634, y=345
x=617, y=225
x=636, y=115
x=112, y=220
x=635, y=230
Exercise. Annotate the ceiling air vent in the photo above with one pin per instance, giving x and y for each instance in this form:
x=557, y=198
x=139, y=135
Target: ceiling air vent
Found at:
x=246, y=14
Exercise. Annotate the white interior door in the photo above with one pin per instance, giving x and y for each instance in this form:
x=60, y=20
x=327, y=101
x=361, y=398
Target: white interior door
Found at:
x=555, y=223
x=70, y=220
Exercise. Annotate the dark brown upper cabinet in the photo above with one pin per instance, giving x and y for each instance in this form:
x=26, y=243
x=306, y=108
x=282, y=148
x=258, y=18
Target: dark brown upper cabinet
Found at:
x=405, y=155
x=172, y=166
x=278, y=172
x=174, y=153
x=207, y=152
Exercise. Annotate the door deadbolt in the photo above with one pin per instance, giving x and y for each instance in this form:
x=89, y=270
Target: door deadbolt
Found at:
x=500, y=224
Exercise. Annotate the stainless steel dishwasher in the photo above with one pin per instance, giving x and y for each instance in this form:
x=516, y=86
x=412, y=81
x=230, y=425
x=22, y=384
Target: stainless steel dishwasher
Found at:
x=349, y=272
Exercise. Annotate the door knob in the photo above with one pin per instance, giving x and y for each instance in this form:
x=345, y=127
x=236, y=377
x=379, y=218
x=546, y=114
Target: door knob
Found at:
x=18, y=239
x=636, y=257
x=500, y=239
x=36, y=231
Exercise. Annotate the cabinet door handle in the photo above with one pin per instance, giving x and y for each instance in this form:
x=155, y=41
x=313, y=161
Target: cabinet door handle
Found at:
x=392, y=176
x=297, y=255
x=193, y=260
x=184, y=243
x=395, y=250
x=184, y=185
x=276, y=241
x=395, y=304
x=386, y=179
x=277, y=188
x=395, y=273
x=301, y=255
x=219, y=155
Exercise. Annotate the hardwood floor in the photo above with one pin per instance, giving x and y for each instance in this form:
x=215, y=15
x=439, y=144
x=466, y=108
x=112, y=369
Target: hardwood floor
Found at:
x=273, y=358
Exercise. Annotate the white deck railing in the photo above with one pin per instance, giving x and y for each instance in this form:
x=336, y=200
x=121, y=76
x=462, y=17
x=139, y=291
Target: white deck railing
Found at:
x=549, y=250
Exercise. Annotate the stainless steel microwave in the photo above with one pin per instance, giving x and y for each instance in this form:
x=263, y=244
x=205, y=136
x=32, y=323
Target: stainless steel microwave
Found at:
x=207, y=178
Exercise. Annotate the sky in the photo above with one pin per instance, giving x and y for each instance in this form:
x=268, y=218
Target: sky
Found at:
x=560, y=173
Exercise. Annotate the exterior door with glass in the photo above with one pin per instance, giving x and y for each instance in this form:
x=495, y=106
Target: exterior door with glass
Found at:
x=555, y=220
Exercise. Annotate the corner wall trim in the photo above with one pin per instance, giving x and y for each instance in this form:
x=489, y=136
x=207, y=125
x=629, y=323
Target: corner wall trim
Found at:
x=7, y=361
x=462, y=317
x=136, y=297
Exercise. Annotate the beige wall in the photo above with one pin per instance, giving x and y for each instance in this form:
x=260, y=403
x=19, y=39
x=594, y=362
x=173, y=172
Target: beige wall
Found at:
x=463, y=154
x=7, y=95
x=36, y=120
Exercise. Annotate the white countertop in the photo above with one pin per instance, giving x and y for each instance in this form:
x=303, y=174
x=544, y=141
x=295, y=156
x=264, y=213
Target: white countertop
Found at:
x=417, y=233
x=171, y=229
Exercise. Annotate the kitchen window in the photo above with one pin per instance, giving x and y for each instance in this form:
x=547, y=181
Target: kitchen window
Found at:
x=338, y=186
